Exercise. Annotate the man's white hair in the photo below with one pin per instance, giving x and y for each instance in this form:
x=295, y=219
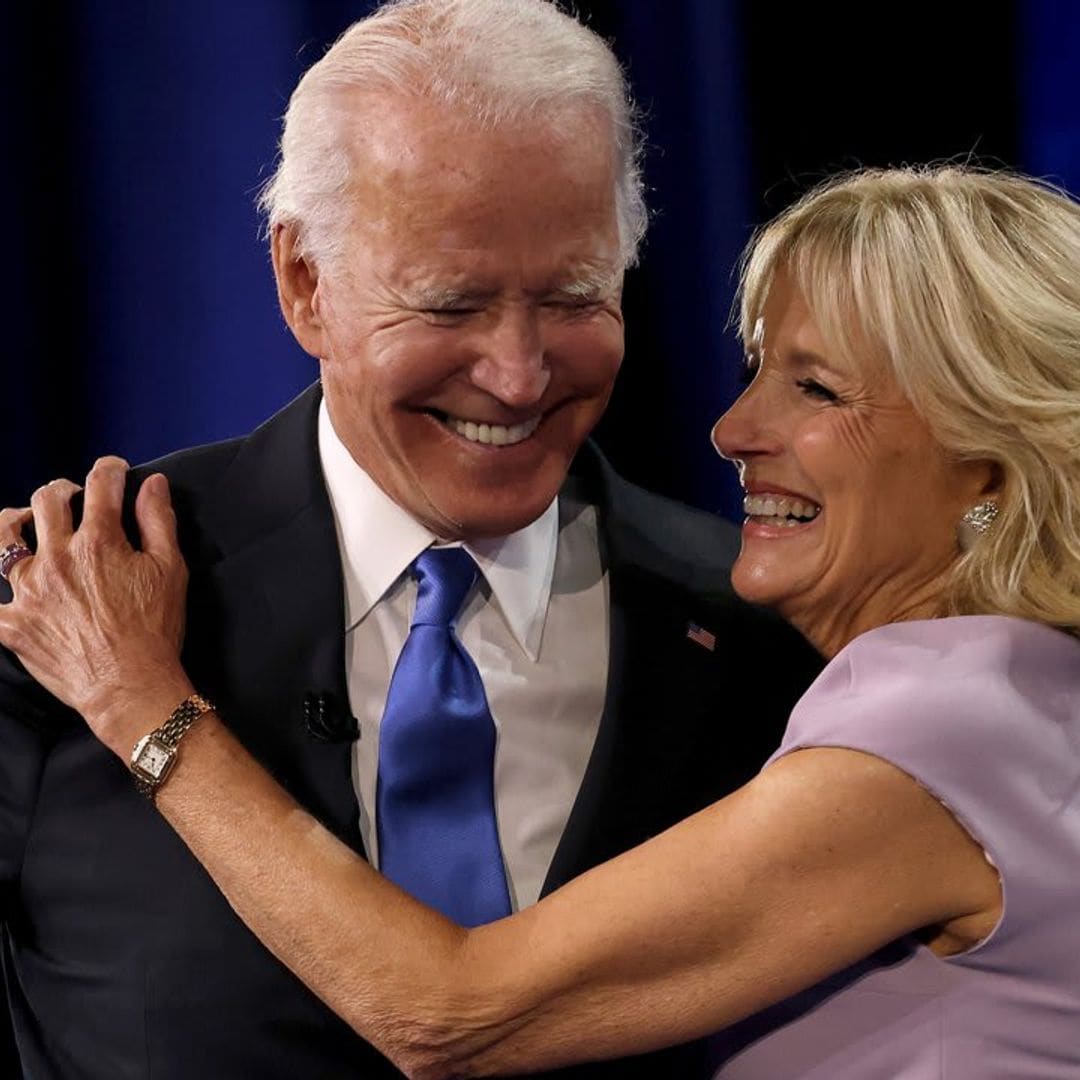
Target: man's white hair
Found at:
x=493, y=62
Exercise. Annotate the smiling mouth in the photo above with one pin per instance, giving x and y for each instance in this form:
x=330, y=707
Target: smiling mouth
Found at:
x=782, y=511
x=477, y=431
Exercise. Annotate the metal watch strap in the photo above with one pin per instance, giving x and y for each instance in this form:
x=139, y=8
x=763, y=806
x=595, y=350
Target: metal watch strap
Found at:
x=170, y=733
x=182, y=717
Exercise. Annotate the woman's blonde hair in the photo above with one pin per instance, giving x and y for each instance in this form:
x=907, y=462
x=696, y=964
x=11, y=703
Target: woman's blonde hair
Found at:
x=966, y=285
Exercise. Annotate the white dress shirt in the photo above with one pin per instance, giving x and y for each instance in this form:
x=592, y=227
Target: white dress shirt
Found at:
x=536, y=627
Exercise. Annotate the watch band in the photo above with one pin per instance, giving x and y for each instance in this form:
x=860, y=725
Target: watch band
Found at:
x=154, y=754
x=181, y=718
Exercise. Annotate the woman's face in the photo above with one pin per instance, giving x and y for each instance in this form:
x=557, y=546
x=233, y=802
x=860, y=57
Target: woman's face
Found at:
x=851, y=505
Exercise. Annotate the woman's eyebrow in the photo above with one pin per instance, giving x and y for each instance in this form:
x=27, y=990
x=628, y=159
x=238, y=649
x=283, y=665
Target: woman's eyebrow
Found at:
x=804, y=358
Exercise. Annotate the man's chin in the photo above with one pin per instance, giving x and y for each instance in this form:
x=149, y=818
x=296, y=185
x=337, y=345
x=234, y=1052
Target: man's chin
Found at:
x=485, y=502
x=477, y=518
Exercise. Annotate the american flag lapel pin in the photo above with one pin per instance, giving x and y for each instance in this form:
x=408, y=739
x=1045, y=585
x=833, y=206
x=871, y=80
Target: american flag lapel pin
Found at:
x=700, y=636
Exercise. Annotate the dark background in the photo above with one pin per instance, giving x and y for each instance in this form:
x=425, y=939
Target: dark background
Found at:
x=140, y=308
x=140, y=311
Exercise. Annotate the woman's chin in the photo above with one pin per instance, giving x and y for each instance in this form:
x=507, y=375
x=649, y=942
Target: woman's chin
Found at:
x=759, y=583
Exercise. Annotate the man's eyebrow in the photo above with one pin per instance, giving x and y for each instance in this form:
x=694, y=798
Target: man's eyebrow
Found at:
x=437, y=296
x=583, y=285
x=588, y=284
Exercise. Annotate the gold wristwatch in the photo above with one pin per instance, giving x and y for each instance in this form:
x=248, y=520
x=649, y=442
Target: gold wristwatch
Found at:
x=155, y=754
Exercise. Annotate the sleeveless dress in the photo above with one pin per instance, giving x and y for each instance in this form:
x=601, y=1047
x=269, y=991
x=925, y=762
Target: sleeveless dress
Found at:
x=984, y=712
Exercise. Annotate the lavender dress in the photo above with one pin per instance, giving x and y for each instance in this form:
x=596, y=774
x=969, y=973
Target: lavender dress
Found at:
x=984, y=712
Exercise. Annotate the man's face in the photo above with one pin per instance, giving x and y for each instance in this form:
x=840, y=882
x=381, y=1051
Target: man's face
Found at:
x=472, y=332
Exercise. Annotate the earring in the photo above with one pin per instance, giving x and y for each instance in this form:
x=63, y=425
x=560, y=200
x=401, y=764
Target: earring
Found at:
x=976, y=522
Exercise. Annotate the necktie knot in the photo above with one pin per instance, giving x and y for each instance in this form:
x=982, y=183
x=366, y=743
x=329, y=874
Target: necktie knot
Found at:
x=444, y=577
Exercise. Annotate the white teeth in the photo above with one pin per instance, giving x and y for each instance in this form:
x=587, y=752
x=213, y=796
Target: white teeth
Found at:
x=777, y=522
x=780, y=509
x=493, y=434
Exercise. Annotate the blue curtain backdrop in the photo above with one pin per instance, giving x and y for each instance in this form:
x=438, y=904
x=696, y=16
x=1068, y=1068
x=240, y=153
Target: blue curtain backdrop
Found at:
x=141, y=311
x=160, y=327
x=1049, y=83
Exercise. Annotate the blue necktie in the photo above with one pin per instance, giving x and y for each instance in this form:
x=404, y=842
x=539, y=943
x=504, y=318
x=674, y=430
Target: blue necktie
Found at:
x=436, y=799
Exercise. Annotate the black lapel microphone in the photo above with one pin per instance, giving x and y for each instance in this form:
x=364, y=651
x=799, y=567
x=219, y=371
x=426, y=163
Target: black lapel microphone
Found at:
x=326, y=721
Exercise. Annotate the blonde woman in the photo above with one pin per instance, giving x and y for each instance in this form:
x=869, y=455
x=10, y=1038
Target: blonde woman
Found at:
x=895, y=895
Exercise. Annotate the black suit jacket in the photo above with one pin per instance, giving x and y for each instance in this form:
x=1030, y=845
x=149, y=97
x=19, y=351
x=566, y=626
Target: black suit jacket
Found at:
x=121, y=957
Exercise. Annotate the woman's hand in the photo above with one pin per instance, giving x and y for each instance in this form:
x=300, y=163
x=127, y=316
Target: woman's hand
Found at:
x=97, y=623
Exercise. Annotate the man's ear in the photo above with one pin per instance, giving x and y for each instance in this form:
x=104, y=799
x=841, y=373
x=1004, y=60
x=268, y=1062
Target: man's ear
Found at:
x=297, y=284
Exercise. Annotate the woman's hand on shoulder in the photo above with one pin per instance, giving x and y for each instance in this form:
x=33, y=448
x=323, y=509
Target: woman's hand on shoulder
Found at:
x=96, y=622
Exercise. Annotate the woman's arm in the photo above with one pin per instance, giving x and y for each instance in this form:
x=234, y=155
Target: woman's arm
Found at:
x=828, y=855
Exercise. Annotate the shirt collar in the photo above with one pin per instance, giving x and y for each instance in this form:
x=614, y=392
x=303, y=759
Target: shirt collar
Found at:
x=378, y=540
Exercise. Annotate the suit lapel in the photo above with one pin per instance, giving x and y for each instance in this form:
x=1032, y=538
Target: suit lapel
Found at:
x=597, y=827
x=266, y=622
x=662, y=749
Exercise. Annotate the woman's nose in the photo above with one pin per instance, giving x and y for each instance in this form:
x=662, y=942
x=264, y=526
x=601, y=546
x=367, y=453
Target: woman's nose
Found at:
x=749, y=428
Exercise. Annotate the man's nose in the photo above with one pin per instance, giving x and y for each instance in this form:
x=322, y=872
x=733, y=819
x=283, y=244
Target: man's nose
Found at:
x=512, y=365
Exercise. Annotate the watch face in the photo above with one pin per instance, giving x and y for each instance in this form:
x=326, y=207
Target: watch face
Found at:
x=153, y=759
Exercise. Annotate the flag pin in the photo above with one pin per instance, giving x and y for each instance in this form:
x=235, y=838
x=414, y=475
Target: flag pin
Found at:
x=700, y=636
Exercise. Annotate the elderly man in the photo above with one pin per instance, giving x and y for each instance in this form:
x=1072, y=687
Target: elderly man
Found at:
x=456, y=202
